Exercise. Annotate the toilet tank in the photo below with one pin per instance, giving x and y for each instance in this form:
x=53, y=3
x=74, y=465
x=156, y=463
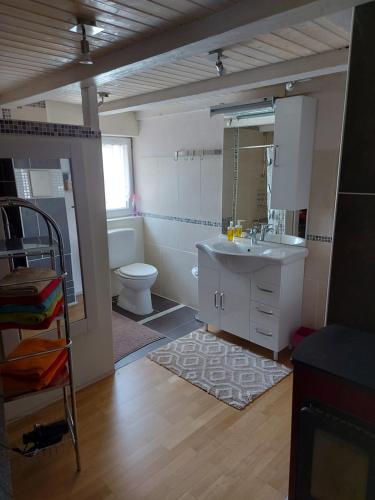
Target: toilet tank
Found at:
x=121, y=246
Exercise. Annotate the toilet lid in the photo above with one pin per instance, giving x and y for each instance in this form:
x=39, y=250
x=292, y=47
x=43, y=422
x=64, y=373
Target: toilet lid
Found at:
x=137, y=270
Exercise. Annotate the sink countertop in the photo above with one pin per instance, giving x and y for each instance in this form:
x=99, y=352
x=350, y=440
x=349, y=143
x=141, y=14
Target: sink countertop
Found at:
x=241, y=251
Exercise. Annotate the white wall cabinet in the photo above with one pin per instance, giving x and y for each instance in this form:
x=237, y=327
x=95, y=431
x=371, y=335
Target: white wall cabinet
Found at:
x=263, y=307
x=293, y=152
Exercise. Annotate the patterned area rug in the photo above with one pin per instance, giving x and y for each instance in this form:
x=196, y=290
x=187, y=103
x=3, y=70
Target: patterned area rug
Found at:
x=229, y=372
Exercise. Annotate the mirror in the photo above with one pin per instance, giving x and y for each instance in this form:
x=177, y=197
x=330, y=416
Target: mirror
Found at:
x=247, y=180
x=49, y=185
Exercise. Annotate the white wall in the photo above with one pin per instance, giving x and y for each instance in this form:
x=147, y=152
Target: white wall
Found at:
x=188, y=188
x=122, y=124
x=92, y=338
x=192, y=188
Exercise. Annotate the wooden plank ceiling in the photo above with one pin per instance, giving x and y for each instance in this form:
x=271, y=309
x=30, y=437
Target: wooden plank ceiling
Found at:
x=35, y=40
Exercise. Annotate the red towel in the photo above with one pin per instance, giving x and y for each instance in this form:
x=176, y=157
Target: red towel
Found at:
x=32, y=299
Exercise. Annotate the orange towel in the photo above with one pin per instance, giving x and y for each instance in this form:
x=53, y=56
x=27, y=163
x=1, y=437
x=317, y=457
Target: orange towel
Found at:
x=19, y=385
x=37, y=366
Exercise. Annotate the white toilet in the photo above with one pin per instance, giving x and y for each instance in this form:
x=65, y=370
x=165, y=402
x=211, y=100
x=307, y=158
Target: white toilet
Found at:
x=135, y=279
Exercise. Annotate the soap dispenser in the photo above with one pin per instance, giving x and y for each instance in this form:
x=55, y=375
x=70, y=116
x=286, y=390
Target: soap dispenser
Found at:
x=239, y=228
x=230, y=231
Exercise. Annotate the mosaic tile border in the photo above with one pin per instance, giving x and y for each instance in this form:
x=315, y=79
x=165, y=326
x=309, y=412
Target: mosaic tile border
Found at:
x=21, y=127
x=182, y=219
x=318, y=237
x=223, y=224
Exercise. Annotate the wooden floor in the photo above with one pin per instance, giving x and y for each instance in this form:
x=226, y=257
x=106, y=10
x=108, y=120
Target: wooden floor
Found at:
x=147, y=434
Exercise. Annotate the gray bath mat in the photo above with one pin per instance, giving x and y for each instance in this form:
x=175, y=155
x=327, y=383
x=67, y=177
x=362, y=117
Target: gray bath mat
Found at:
x=229, y=372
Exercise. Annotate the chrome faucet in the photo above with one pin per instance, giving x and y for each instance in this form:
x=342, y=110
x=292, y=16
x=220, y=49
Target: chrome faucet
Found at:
x=251, y=234
x=264, y=229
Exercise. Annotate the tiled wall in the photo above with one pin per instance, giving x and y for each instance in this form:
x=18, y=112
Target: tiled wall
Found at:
x=352, y=295
x=331, y=95
x=193, y=189
x=180, y=200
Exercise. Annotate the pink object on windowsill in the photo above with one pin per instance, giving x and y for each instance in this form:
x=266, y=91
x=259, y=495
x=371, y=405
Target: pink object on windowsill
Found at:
x=300, y=334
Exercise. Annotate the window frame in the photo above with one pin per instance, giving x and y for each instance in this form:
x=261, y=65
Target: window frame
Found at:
x=122, y=141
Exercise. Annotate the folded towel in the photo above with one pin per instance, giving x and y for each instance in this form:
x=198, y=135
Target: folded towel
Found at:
x=18, y=293
x=29, y=318
x=36, y=326
x=36, y=367
x=33, y=308
x=18, y=385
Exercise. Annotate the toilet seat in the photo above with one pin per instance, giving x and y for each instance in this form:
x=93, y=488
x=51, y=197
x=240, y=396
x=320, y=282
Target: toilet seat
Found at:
x=137, y=271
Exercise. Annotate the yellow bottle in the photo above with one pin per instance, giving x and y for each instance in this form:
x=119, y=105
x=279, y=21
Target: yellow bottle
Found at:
x=230, y=231
x=238, y=231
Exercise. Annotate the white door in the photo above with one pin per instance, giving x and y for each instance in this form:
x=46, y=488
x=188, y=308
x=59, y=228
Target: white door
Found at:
x=209, y=296
x=235, y=303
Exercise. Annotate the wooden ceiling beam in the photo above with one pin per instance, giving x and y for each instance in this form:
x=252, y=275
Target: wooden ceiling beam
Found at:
x=335, y=61
x=235, y=24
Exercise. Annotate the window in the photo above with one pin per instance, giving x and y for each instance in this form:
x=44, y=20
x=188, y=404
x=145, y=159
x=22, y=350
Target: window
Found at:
x=118, y=175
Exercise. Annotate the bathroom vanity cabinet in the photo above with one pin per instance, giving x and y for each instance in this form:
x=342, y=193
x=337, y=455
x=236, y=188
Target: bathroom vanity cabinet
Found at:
x=263, y=306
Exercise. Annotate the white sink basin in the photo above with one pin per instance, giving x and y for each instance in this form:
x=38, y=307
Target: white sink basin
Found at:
x=241, y=256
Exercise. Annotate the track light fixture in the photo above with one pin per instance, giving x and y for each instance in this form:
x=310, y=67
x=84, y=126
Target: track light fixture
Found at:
x=85, y=48
x=85, y=27
x=102, y=96
x=289, y=86
x=219, y=63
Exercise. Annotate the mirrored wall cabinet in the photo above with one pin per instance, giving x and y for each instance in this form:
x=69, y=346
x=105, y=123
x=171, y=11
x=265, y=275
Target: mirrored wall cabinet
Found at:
x=267, y=164
x=293, y=152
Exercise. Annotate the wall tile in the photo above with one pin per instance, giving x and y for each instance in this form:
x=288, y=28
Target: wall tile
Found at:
x=357, y=169
x=152, y=257
x=323, y=192
x=167, y=179
x=353, y=272
x=190, y=234
x=176, y=280
x=211, y=188
x=309, y=303
x=189, y=187
x=161, y=232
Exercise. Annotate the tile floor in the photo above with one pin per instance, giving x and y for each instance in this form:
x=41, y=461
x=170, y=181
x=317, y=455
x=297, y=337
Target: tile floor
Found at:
x=173, y=325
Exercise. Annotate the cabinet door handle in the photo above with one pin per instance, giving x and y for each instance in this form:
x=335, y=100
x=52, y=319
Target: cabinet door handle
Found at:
x=262, y=332
x=222, y=301
x=269, y=313
x=215, y=300
x=264, y=289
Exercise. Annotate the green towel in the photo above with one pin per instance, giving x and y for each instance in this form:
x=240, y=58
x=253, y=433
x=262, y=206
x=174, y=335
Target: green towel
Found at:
x=30, y=318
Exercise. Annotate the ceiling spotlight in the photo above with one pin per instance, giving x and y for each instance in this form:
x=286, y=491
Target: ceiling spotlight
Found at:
x=85, y=27
x=102, y=96
x=85, y=48
x=219, y=63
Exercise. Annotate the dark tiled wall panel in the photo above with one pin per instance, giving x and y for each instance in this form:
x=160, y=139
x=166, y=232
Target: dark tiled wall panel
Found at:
x=352, y=287
x=352, y=293
x=358, y=165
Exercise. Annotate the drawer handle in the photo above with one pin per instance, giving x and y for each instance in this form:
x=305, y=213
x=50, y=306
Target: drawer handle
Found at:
x=262, y=332
x=264, y=289
x=215, y=300
x=222, y=301
x=269, y=313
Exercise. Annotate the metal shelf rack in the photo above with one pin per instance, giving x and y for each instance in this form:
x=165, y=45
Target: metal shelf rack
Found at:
x=51, y=245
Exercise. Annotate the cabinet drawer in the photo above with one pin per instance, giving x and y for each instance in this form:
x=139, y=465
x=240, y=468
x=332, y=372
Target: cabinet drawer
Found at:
x=264, y=336
x=264, y=292
x=268, y=274
x=263, y=314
